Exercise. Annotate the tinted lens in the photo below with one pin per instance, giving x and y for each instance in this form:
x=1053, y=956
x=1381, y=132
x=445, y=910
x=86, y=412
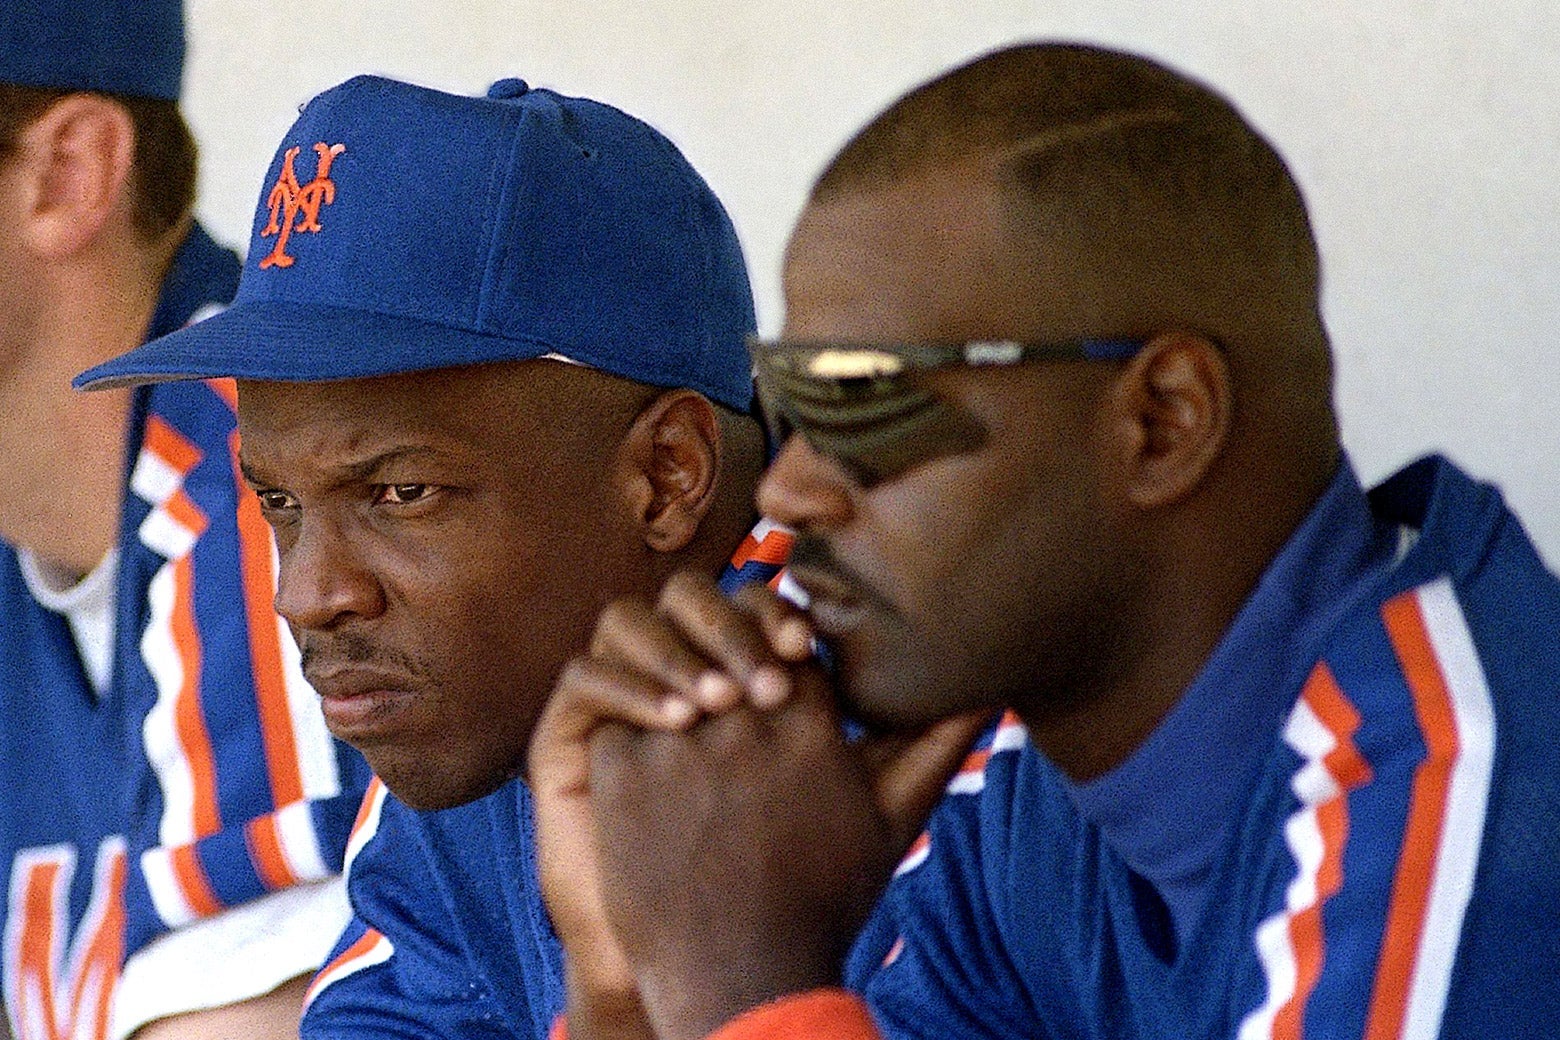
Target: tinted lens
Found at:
x=876, y=427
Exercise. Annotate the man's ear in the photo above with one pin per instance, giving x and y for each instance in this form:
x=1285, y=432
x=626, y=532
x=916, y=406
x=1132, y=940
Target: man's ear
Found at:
x=1175, y=404
x=74, y=169
x=672, y=455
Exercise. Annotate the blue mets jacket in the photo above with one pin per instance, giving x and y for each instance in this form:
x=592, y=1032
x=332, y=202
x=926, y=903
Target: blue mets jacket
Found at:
x=1348, y=828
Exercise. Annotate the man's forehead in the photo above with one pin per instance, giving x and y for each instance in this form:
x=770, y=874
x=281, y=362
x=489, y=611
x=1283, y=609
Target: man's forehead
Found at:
x=936, y=256
x=962, y=253
x=497, y=414
x=365, y=417
x=327, y=440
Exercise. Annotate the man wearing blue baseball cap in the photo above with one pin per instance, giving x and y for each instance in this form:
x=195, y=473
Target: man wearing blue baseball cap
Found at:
x=175, y=812
x=491, y=375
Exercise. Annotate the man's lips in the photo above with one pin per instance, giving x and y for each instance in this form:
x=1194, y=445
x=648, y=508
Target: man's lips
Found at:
x=361, y=704
x=833, y=604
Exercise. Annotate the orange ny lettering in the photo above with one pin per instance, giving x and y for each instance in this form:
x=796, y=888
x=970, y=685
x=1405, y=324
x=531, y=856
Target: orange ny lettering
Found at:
x=59, y=985
x=296, y=207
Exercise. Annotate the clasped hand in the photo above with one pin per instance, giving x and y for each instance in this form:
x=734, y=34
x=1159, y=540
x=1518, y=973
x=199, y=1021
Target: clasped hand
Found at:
x=707, y=838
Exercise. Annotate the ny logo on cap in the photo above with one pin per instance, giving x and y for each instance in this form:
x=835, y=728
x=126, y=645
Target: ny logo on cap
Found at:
x=298, y=205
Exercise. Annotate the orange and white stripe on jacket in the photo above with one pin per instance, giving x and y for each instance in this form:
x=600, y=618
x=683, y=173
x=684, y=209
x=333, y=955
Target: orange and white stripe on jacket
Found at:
x=181, y=891
x=177, y=743
x=971, y=777
x=371, y=948
x=1434, y=876
x=1290, y=943
x=768, y=542
x=1446, y=811
x=1010, y=735
x=367, y=823
x=285, y=847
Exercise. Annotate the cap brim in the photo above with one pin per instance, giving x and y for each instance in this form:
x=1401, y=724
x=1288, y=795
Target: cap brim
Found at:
x=304, y=343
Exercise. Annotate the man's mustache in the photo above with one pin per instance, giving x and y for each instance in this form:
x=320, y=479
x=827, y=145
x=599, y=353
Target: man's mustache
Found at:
x=315, y=650
x=815, y=554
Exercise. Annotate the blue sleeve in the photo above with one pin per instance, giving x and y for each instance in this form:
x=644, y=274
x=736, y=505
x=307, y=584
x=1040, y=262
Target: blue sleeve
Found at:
x=236, y=788
x=1452, y=839
x=1433, y=841
x=401, y=968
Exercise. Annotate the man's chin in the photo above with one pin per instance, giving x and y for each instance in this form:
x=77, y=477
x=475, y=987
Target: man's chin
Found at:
x=898, y=701
x=879, y=711
x=427, y=789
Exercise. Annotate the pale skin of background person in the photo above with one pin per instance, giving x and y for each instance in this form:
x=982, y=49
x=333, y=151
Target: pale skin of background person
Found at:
x=78, y=283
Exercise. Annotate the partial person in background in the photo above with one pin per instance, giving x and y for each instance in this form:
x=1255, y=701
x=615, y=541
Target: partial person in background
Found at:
x=491, y=374
x=171, y=799
x=1280, y=753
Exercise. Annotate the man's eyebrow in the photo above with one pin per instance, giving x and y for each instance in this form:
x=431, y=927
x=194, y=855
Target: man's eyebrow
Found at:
x=346, y=472
x=249, y=474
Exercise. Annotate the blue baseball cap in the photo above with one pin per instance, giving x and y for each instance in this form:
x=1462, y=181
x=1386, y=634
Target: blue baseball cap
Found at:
x=402, y=229
x=133, y=47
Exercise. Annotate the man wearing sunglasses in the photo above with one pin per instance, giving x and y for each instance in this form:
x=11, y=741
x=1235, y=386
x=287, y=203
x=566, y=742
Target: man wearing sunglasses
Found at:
x=1277, y=755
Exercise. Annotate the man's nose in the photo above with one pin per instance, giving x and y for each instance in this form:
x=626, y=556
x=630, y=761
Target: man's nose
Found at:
x=805, y=489
x=322, y=579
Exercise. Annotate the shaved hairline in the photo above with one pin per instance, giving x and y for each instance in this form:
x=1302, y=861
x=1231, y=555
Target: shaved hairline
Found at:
x=1139, y=182
x=1112, y=115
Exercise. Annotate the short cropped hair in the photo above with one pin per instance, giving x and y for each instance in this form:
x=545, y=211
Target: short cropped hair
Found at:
x=163, y=177
x=1104, y=140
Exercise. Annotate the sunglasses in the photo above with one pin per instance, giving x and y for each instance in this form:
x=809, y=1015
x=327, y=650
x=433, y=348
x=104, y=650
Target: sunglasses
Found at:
x=861, y=405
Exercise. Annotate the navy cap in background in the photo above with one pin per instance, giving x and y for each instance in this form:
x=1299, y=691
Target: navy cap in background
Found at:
x=133, y=47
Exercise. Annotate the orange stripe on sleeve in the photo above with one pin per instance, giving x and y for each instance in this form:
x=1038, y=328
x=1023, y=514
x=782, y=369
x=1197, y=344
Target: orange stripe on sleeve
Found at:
x=1426, y=814
x=265, y=852
x=170, y=445
x=774, y=549
x=193, y=882
x=1305, y=929
x=1348, y=770
x=366, y=807
x=189, y=723
x=364, y=944
x=820, y=1014
x=975, y=761
x=185, y=512
x=226, y=389
x=744, y=551
x=265, y=647
x=1347, y=766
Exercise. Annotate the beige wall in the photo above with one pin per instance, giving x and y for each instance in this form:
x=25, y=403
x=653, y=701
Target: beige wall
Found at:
x=1426, y=134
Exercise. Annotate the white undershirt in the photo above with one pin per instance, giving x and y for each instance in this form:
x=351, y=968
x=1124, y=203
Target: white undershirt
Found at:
x=87, y=604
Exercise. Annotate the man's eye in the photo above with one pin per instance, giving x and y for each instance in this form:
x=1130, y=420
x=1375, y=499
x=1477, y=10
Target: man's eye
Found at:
x=273, y=501
x=404, y=494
